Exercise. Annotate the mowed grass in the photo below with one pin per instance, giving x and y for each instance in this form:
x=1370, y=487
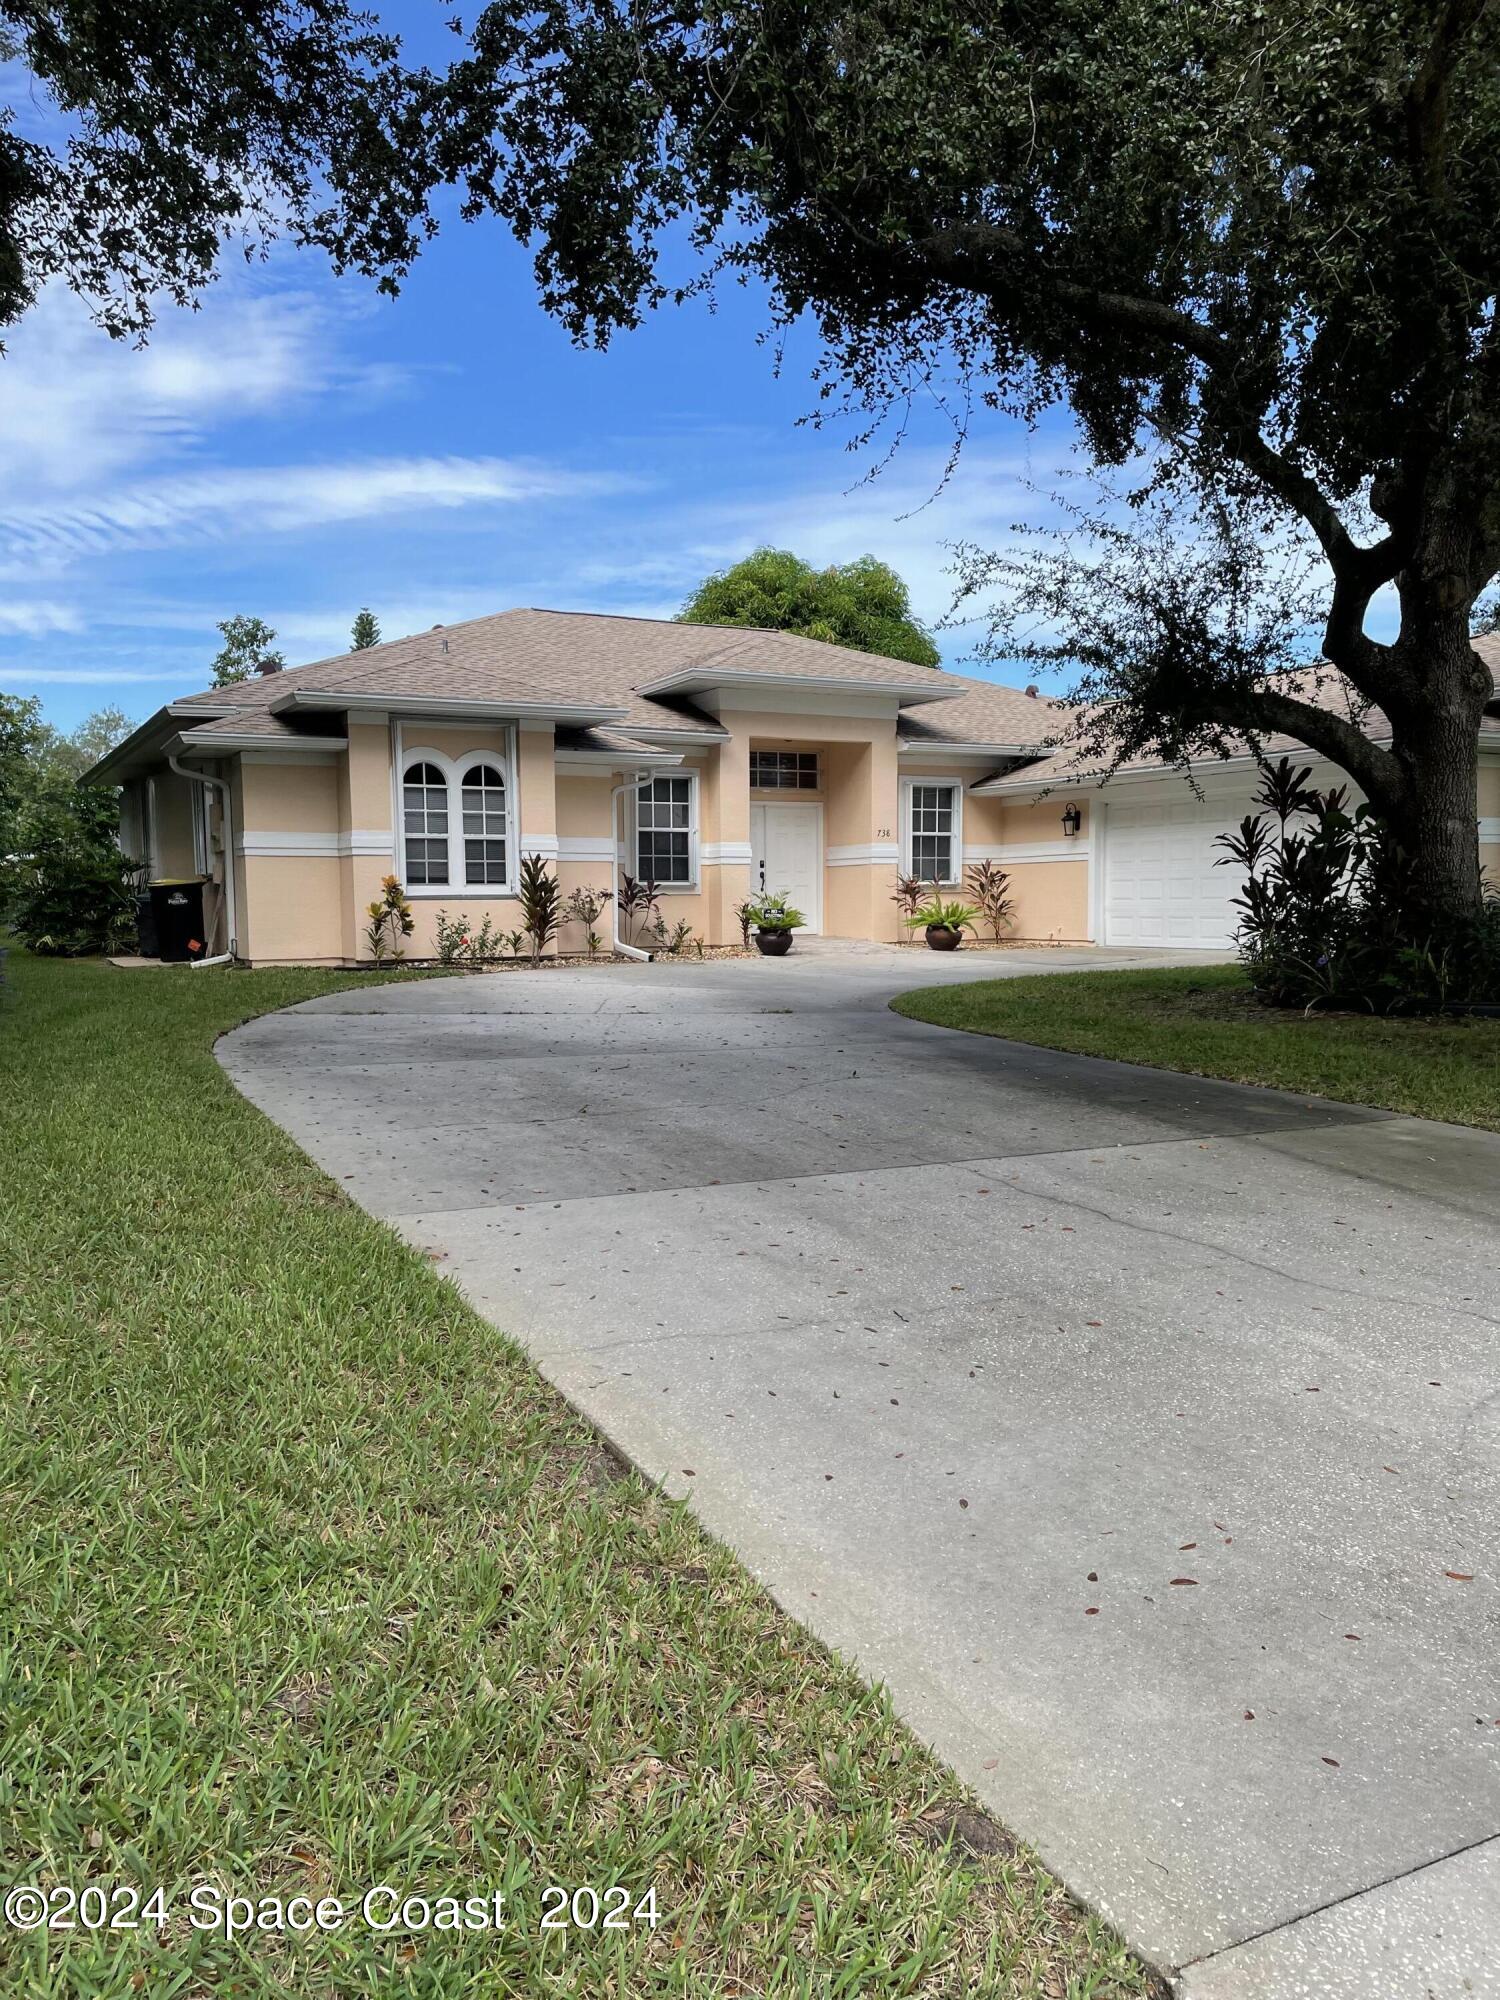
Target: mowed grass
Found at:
x=313, y=1584
x=1206, y=1021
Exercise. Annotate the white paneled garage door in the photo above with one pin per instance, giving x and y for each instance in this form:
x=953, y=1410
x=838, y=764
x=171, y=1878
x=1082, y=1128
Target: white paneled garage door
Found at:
x=1161, y=887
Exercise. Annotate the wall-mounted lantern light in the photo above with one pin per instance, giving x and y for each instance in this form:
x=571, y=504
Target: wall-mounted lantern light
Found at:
x=1072, y=821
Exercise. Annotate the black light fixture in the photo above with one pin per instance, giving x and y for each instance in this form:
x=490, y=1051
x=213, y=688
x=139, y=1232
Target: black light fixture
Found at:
x=1072, y=821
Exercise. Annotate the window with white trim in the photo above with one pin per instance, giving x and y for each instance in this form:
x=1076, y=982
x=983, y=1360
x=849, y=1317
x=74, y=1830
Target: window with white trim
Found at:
x=784, y=770
x=424, y=819
x=666, y=832
x=932, y=821
x=482, y=802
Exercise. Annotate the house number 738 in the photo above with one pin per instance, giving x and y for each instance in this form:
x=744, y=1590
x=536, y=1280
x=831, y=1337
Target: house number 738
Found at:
x=882, y=833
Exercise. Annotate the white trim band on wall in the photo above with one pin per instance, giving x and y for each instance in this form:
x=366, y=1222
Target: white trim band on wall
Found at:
x=725, y=853
x=584, y=847
x=873, y=854
x=307, y=846
x=1489, y=831
x=544, y=844
x=1076, y=849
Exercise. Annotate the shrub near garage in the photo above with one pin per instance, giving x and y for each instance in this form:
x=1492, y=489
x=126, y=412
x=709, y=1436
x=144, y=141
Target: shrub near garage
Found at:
x=1331, y=916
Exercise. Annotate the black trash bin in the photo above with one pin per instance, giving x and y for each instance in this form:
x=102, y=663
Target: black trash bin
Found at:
x=145, y=925
x=178, y=910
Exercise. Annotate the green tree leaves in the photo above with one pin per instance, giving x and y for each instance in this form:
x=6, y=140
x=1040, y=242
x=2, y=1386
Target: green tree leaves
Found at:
x=247, y=645
x=863, y=604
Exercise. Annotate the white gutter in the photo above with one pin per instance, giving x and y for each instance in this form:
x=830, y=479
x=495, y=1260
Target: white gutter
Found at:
x=616, y=842
x=226, y=844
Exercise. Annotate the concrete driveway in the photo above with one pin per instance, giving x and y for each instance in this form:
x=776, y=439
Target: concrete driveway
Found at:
x=1140, y=1432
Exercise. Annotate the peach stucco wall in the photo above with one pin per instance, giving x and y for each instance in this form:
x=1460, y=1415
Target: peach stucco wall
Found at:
x=311, y=905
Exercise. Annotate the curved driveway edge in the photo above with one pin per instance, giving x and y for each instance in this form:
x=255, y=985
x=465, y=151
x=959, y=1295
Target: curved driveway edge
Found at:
x=1139, y=1431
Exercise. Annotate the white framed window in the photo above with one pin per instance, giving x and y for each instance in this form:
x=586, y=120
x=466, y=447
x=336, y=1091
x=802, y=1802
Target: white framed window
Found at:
x=932, y=830
x=666, y=831
x=459, y=831
x=424, y=822
x=784, y=770
x=482, y=803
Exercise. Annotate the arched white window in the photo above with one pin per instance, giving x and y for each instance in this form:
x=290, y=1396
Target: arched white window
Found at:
x=424, y=805
x=482, y=800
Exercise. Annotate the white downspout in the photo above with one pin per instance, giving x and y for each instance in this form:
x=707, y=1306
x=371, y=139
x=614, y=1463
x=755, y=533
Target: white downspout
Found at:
x=616, y=841
x=226, y=828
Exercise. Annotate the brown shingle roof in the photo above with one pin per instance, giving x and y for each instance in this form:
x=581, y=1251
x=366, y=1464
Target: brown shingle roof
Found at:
x=569, y=658
x=1319, y=684
x=988, y=713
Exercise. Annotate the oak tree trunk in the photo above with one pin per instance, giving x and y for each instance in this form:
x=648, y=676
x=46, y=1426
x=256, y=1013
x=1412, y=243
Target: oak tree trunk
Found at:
x=1436, y=746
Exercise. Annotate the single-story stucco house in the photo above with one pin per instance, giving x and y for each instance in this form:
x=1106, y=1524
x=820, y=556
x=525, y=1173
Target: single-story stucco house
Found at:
x=710, y=759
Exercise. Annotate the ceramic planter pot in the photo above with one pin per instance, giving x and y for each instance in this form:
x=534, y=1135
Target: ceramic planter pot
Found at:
x=773, y=944
x=940, y=938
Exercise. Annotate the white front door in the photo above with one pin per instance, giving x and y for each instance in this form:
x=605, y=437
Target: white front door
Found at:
x=786, y=857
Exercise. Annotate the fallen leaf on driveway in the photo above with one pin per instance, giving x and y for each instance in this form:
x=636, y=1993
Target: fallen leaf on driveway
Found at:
x=1185, y=1579
x=1333, y=1761
x=1460, y=1575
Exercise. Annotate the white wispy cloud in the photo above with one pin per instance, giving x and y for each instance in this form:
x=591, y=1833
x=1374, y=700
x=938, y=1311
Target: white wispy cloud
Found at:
x=256, y=500
x=33, y=619
x=80, y=409
x=82, y=677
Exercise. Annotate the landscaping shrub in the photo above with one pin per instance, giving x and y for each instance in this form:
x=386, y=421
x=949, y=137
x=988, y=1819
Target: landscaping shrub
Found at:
x=990, y=888
x=1330, y=916
x=390, y=921
x=74, y=899
x=541, y=904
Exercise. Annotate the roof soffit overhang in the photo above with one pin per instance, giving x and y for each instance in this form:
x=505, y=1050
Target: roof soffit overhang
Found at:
x=718, y=682
x=913, y=747
x=435, y=708
x=224, y=742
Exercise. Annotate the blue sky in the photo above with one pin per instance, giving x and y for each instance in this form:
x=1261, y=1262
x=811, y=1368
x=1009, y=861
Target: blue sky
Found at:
x=302, y=446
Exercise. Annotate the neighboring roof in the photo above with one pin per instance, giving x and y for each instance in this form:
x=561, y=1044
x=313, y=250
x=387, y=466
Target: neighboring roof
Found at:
x=1319, y=684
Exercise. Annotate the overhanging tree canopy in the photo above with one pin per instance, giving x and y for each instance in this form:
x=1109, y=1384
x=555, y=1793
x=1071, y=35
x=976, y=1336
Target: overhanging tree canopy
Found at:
x=176, y=129
x=1265, y=232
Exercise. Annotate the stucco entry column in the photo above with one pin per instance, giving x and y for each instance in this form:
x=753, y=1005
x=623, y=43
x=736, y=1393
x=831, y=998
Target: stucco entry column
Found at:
x=724, y=836
x=367, y=841
x=862, y=851
x=536, y=785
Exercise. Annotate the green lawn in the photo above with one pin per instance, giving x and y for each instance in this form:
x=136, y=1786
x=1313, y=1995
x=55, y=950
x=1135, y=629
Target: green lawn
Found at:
x=312, y=1584
x=1204, y=1020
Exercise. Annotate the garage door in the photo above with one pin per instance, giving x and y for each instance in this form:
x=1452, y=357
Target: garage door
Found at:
x=1160, y=884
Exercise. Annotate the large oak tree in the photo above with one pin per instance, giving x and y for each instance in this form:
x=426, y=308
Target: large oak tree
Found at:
x=1263, y=235
x=143, y=136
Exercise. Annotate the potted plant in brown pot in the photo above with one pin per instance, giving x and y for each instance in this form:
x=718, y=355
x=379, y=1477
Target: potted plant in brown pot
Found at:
x=944, y=922
x=774, y=920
